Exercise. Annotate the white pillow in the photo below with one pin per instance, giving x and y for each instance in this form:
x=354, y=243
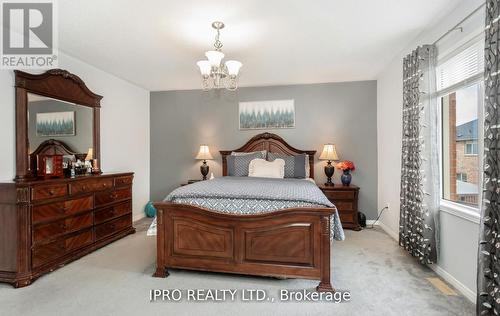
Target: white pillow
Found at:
x=267, y=169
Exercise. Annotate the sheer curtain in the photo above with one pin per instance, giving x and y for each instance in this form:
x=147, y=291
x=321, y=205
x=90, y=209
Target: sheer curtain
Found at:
x=418, y=225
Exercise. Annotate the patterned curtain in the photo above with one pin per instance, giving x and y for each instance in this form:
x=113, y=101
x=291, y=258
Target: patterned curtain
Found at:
x=488, y=278
x=418, y=232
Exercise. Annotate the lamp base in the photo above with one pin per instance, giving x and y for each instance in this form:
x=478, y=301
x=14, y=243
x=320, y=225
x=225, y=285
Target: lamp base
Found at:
x=329, y=184
x=204, y=169
x=329, y=170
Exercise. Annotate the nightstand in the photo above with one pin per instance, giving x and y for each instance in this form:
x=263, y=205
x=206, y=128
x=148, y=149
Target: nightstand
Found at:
x=190, y=182
x=345, y=199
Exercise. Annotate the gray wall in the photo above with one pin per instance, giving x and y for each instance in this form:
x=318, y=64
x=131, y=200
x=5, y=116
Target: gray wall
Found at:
x=341, y=113
x=83, y=138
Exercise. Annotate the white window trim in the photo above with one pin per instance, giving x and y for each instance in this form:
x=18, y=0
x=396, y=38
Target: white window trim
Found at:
x=463, y=211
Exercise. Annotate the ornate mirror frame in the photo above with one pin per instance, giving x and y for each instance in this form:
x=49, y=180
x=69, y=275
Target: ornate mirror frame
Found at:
x=58, y=84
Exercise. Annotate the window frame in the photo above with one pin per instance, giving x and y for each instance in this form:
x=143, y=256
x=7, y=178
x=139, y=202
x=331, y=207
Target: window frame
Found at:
x=473, y=144
x=447, y=206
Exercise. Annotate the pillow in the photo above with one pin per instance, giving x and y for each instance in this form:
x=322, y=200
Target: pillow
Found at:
x=237, y=166
x=241, y=153
x=295, y=166
x=267, y=169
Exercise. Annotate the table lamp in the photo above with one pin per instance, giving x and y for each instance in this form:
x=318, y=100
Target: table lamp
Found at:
x=329, y=153
x=204, y=154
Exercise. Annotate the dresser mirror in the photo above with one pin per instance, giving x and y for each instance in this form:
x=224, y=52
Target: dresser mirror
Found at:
x=56, y=114
x=70, y=123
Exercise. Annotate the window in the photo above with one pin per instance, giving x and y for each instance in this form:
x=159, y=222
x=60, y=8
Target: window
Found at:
x=471, y=148
x=460, y=94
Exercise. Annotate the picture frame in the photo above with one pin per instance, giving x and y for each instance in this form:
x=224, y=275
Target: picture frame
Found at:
x=52, y=124
x=273, y=114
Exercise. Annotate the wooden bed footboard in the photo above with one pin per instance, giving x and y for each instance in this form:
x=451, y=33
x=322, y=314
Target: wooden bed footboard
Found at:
x=291, y=243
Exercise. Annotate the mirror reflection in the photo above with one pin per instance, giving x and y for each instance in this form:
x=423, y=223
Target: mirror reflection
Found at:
x=66, y=122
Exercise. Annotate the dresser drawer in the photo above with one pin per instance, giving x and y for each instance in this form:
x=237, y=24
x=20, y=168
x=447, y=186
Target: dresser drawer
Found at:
x=123, y=181
x=111, y=227
x=49, y=191
x=339, y=195
x=57, y=210
x=103, y=198
x=46, y=253
x=344, y=205
x=48, y=231
x=90, y=186
x=112, y=212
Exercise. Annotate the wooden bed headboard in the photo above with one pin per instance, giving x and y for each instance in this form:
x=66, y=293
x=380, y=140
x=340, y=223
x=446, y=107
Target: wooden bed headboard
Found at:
x=272, y=143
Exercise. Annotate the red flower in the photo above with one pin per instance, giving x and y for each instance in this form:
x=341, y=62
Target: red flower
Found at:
x=346, y=165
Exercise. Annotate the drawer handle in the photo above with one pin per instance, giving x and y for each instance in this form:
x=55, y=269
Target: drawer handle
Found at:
x=84, y=188
x=52, y=192
x=111, y=226
x=63, y=226
x=104, y=185
x=113, y=196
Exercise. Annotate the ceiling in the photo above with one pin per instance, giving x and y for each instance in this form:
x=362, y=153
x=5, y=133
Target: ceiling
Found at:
x=156, y=43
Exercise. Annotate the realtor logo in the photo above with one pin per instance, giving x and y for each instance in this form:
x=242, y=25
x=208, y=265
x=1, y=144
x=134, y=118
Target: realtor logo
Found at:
x=28, y=34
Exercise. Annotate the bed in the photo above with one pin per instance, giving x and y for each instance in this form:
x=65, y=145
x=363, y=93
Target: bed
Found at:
x=285, y=238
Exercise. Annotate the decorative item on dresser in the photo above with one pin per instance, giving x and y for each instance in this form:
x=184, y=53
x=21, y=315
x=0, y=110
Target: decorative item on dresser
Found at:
x=345, y=199
x=46, y=223
x=329, y=153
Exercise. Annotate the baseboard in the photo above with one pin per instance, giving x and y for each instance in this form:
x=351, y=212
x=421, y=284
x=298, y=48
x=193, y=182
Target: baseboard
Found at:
x=139, y=216
x=464, y=290
x=394, y=235
x=468, y=293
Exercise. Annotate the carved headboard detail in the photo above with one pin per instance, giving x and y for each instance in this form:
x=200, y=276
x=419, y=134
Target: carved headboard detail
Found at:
x=272, y=143
x=52, y=147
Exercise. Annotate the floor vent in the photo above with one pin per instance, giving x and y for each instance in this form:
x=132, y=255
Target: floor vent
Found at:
x=441, y=286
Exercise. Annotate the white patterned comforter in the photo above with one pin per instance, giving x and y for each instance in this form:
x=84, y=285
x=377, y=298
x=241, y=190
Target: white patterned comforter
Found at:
x=248, y=195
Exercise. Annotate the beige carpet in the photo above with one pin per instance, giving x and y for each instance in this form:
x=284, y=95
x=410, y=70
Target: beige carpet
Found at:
x=116, y=280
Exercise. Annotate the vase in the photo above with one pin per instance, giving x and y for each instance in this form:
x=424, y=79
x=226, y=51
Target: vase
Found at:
x=346, y=177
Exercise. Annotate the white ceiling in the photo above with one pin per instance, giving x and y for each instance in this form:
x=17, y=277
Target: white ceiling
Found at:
x=156, y=43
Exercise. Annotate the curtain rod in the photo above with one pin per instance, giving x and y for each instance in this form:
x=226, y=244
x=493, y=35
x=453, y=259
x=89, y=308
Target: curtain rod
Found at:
x=457, y=26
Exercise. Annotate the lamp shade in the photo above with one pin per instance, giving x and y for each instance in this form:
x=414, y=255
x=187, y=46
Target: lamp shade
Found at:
x=233, y=67
x=329, y=153
x=204, y=67
x=214, y=57
x=90, y=154
x=204, y=153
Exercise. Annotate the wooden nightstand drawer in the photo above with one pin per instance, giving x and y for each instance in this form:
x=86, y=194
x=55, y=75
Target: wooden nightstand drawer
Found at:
x=345, y=199
x=340, y=195
x=348, y=217
x=344, y=206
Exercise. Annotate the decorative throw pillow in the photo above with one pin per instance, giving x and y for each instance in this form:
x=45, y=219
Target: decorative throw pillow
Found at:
x=237, y=166
x=267, y=169
x=295, y=166
x=263, y=153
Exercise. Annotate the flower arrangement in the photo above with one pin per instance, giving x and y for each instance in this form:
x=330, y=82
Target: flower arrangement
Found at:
x=346, y=165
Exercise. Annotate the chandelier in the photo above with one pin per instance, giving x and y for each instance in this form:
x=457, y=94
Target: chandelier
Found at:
x=216, y=73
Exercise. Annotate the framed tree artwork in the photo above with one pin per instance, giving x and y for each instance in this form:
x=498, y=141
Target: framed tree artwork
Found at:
x=55, y=124
x=267, y=114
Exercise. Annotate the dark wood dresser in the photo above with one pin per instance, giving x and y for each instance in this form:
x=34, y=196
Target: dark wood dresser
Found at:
x=48, y=223
x=345, y=199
